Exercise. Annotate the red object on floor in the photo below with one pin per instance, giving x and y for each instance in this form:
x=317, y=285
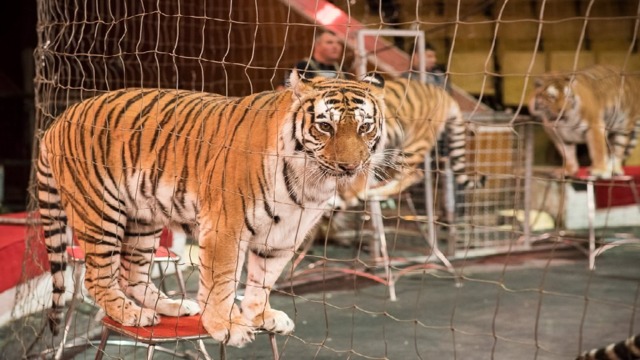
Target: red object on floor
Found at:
x=19, y=265
x=168, y=328
x=166, y=238
x=611, y=192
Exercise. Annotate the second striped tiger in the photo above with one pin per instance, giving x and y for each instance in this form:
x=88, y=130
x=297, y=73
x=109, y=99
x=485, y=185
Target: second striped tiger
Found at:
x=418, y=116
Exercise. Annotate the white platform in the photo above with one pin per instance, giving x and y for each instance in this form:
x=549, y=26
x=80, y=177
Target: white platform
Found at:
x=569, y=207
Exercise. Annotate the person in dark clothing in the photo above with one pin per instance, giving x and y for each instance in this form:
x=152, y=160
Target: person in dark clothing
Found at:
x=434, y=73
x=327, y=51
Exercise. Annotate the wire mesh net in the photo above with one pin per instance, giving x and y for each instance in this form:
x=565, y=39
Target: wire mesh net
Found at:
x=506, y=269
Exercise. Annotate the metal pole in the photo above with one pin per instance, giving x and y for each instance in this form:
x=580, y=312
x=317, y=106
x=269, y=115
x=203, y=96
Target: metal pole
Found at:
x=361, y=52
x=528, y=174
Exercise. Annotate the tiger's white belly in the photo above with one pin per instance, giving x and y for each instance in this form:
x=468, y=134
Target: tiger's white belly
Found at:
x=295, y=221
x=572, y=130
x=288, y=233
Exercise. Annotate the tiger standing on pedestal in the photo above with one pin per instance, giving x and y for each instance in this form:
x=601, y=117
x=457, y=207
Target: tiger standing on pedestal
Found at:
x=598, y=106
x=243, y=175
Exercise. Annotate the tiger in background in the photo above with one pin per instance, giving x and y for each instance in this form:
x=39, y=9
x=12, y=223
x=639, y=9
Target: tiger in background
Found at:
x=418, y=116
x=248, y=177
x=628, y=349
x=598, y=106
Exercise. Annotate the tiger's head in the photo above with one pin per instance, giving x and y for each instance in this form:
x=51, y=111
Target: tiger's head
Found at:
x=551, y=97
x=339, y=123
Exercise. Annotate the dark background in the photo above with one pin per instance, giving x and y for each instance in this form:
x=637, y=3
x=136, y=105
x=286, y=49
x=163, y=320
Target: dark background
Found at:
x=18, y=29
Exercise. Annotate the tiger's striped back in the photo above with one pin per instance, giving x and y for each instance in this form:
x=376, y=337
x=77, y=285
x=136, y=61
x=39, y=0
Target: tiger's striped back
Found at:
x=247, y=176
x=418, y=115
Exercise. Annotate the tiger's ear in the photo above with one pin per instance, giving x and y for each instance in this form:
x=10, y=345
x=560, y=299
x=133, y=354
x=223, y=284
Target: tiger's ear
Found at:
x=376, y=81
x=299, y=84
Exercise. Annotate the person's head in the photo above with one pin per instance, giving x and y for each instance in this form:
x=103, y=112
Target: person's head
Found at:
x=429, y=57
x=327, y=47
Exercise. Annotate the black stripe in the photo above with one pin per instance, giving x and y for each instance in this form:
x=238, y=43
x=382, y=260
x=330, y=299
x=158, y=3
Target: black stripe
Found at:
x=142, y=251
x=43, y=204
x=139, y=95
x=45, y=187
x=143, y=234
x=242, y=117
x=250, y=227
x=51, y=233
x=57, y=266
x=267, y=207
x=141, y=116
x=98, y=240
x=170, y=102
x=264, y=255
x=286, y=173
x=105, y=255
x=622, y=351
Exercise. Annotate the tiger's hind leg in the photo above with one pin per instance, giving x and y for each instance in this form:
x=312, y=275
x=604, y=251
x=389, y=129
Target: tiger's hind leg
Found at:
x=101, y=239
x=138, y=249
x=54, y=225
x=623, y=145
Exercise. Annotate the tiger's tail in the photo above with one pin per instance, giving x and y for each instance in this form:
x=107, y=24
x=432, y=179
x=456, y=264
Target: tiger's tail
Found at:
x=54, y=222
x=628, y=349
x=456, y=141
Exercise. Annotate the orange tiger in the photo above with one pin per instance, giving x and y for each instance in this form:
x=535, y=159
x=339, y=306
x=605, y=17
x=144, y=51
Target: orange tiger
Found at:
x=248, y=176
x=597, y=106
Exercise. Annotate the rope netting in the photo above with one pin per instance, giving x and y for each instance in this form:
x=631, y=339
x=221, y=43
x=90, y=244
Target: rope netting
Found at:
x=498, y=271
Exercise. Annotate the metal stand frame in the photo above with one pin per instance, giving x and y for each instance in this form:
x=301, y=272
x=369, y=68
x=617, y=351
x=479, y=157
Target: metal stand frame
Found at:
x=591, y=208
x=589, y=183
x=75, y=257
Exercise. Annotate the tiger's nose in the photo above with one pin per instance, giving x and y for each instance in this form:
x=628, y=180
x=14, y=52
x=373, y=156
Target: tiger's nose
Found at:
x=349, y=167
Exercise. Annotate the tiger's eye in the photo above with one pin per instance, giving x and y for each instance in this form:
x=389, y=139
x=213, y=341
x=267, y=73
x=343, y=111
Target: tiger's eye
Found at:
x=326, y=127
x=365, y=128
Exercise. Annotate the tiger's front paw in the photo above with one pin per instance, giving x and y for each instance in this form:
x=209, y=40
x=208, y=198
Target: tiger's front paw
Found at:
x=176, y=307
x=617, y=169
x=275, y=321
x=236, y=332
x=133, y=315
x=600, y=173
